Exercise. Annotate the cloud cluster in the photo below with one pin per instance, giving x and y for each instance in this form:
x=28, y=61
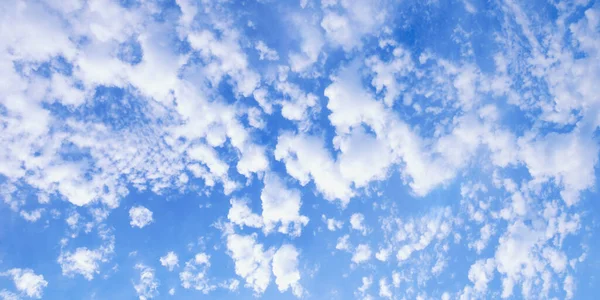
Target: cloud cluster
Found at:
x=27, y=283
x=140, y=216
x=492, y=136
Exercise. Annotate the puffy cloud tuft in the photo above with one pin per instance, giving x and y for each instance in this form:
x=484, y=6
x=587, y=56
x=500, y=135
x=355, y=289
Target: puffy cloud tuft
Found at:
x=26, y=282
x=140, y=216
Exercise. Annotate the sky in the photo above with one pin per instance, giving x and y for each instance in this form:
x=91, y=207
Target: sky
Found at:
x=299, y=149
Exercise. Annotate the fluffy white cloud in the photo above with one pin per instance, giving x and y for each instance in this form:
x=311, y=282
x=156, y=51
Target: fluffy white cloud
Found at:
x=485, y=234
x=33, y=215
x=364, y=157
x=359, y=18
x=430, y=118
x=106, y=27
x=231, y=284
x=147, y=286
x=170, y=260
x=305, y=157
x=240, y=214
x=518, y=259
x=481, y=273
x=332, y=224
x=285, y=269
x=386, y=74
x=140, y=216
x=569, y=287
x=351, y=106
x=265, y=52
x=296, y=101
x=417, y=234
x=252, y=262
x=343, y=243
x=361, y=254
x=396, y=279
x=281, y=205
x=194, y=275
x=366, y=285
x=83, y=261
x=357, y=223
x=312, y=42
x=545, y=160
x=385, y=289
x=27, y=282
x=383, y=254
x=556, y=259
x=7, y=295
x=225, y=58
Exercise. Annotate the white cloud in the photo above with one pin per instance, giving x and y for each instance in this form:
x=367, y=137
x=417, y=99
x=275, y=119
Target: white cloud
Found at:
x=364, y=157
x=404, y=253
x=7, y=295
x=357, y=223
x=170, y=260
x=285, y=269
x=556, y=259
x=225, y=58
x=231, y=284
x=552, y=83
x=569, y=287
x=416, y=234
x=140, y=216
x=296, y=101
x=194, y=275
x=384, y=289
x=351, y=106
x=209, y=156
x=240, y=214
x=188, y=12
x=387, y=74
x=485, y=234
x=396, y=279
x=147, y=286
x=481, y=273
x=253, y=160
x=359, y=19
x=256, y=120
x=265, y=52
x=311, y=43
x=305, y=157
x=33, y=215
x=366, y=285
x=137, y=159
x=281, y=205
x=333, y=224
x=361, y=254
x=83, y=261
x=383, y=254
x=544, y=159
x=73, y=219
x=523, y=254
x=252, y=262
x=343, y=243
x=261, y=96
x=338, y=30
x=26, y=282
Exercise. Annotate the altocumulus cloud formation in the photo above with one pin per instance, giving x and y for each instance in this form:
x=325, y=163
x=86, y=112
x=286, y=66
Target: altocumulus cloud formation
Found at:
x=312, y=149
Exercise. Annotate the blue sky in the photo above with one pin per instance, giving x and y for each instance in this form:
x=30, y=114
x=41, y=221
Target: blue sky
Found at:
x=311, y=149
